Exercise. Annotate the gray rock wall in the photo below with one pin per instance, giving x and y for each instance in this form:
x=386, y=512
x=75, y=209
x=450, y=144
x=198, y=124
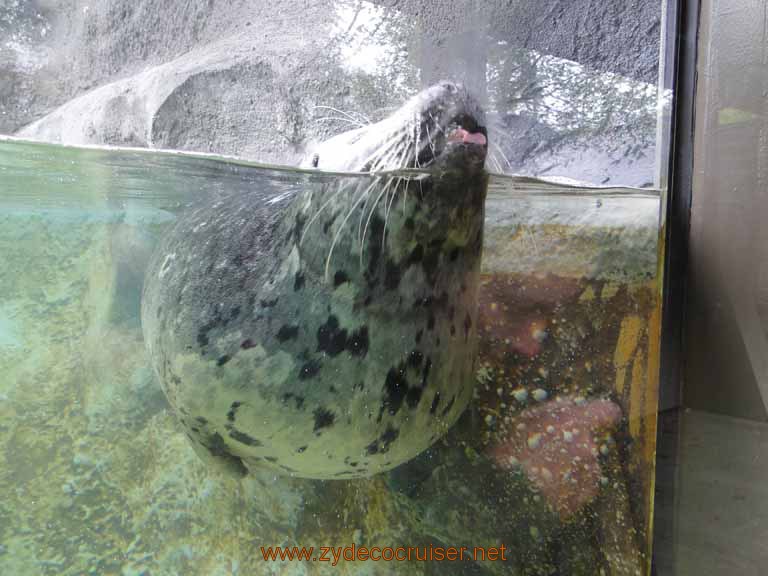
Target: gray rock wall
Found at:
x=244, y=77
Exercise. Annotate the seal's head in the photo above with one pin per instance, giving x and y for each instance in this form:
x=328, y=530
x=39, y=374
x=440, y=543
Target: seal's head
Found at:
x=440, y=133
x=331, y=333
x=442, y=126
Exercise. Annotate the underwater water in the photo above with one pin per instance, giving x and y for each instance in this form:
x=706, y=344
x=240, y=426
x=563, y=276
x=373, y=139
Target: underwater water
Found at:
x=553, y=459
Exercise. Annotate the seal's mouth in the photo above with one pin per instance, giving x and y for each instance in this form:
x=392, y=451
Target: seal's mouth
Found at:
x=466, y=129
x=462, y=135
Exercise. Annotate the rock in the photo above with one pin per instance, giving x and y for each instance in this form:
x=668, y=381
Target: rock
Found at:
x=250, y=92
x=611, y=237
x=243, y=77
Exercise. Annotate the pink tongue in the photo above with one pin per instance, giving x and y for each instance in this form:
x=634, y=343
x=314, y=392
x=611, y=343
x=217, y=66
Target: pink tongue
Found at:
x=472, y=138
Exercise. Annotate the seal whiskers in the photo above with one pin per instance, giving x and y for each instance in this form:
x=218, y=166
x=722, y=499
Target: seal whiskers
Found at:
x=368, y=221
x=386, y=212
x=343, y=223
x=380, y=157
x=320, y=211
x=501, y=152
x=347, y=114
x=340, y=119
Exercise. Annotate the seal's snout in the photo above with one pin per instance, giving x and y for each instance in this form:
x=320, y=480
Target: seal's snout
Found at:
x=453, y=125
x=443, y=125
x=465, y=129
x=461, y=135
x=451, y=87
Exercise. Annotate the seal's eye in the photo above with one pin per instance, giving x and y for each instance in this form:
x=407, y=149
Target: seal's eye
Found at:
x=315, y=160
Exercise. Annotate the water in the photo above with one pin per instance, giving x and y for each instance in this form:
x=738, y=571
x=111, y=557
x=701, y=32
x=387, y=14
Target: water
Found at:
x=553, y=460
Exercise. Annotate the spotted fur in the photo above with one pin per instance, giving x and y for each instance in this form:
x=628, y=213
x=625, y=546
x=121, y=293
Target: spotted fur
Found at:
x=330, y=332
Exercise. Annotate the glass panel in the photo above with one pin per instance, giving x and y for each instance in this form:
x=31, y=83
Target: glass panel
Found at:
x=416, y=361
x=714, y=513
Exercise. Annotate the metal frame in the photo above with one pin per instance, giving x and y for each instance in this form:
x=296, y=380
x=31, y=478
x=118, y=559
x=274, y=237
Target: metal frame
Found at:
x=678, y=202
x=682, y=50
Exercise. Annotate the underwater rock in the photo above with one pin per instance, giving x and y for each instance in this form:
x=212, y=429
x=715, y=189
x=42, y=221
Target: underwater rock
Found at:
x=542, y=461
x=609, y=238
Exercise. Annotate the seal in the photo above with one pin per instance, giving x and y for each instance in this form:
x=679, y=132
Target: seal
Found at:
x=329, y=331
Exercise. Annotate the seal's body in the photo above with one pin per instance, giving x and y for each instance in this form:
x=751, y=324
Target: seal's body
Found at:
x=330, y=333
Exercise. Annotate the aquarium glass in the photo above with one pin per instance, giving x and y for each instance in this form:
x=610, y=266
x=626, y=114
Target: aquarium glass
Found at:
x=127, y=116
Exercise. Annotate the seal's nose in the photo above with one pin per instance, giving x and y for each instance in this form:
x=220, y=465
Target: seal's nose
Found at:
x=455, y=95
x=451, y=87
